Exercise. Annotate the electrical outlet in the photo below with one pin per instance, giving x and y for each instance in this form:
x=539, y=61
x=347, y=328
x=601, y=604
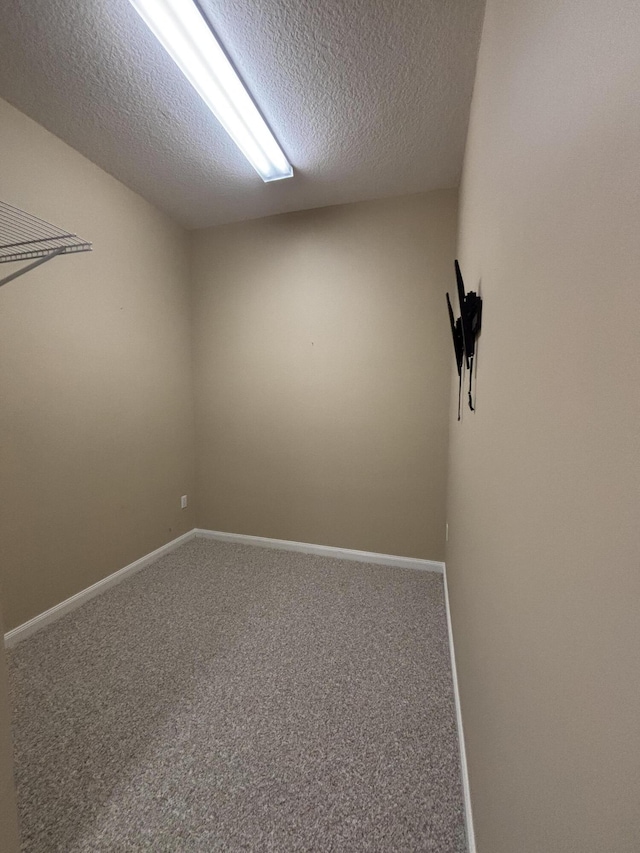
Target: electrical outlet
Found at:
x=183, y=502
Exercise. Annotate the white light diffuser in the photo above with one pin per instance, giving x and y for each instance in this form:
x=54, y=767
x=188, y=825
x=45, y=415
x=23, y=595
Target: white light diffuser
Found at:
x=187, y=38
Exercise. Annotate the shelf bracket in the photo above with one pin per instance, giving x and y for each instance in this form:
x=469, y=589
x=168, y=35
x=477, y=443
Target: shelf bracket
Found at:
x=32, y=266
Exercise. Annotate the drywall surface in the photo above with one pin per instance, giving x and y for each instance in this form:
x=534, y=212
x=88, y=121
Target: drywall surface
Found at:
x=321, y=355
x=9, y=836
x=95, y=380
x=544, y=489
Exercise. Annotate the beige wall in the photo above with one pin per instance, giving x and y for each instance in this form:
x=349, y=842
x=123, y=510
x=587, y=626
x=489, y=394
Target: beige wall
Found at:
x=96, y=418
x=544, y=487
x=321, y=361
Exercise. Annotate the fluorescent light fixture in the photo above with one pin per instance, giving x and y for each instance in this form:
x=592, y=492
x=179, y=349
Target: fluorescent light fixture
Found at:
x=187, y=38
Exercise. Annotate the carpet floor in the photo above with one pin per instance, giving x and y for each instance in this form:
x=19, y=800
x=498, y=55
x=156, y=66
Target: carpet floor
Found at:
x=234, y=698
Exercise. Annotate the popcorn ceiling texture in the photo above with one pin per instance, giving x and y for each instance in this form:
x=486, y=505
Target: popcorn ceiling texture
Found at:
x=369, y=98
x=237, y=698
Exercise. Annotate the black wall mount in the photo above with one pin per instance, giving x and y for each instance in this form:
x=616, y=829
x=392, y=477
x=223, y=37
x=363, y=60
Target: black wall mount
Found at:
x=465, y=330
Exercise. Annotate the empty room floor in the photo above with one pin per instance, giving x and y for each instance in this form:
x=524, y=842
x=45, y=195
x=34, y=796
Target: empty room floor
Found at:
x=231, y=697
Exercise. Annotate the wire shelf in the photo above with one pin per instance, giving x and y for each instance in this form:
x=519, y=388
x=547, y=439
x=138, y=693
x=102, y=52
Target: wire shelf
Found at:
x=23, y=236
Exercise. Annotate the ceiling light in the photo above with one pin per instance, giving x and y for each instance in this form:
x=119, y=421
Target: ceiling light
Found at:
x=187, y=38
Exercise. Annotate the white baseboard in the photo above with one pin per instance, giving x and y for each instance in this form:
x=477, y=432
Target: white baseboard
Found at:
x=28, y=628
x=25, y=630
x=466, y=790
x=324, y=550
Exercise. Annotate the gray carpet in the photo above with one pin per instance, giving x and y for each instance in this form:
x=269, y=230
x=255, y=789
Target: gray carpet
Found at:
x=237, y=698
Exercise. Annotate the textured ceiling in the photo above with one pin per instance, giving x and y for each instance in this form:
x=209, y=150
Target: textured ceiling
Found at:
x=368, y=98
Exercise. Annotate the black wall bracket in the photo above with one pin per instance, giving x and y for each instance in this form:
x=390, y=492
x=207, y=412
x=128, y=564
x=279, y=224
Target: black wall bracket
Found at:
x=465, y=330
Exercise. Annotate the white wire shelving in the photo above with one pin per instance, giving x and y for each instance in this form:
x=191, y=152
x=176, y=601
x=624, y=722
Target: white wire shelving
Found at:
x=24, y=237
